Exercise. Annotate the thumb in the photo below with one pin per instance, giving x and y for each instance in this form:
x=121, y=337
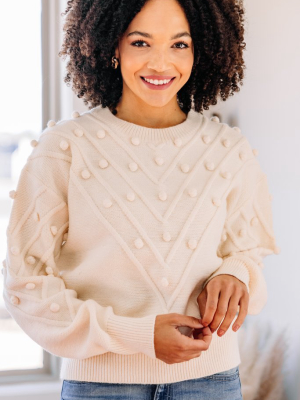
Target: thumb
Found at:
x=186, y=320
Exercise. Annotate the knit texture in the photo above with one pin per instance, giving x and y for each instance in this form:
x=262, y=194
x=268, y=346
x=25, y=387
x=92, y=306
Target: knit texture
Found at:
x=113, y=223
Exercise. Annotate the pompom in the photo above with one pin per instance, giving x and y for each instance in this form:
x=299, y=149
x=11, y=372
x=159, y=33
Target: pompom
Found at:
x=51, y=123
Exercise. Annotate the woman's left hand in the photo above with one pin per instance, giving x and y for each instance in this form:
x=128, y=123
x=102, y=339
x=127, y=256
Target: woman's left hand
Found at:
x=222, y=296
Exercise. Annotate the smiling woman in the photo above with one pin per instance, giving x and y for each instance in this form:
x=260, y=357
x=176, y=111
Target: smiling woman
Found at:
x=137, y=218
x=197, y=44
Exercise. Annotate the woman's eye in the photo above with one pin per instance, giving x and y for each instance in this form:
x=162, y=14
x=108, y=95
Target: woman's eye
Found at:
x=142, y=41
x=186, y=45
x=137, y=41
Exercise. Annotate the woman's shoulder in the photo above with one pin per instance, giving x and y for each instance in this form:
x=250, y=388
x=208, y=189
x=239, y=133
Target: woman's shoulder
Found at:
x=58, y=135
x=231, y=137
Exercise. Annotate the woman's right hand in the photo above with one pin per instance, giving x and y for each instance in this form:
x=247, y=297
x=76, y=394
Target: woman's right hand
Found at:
x=171, y=346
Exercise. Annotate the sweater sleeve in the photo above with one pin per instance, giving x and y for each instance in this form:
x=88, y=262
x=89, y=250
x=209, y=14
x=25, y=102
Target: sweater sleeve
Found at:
x=248, y=234
x=34, y=293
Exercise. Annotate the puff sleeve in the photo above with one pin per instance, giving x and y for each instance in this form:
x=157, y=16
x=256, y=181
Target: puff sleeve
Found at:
x=248, y=234
x=34, y=293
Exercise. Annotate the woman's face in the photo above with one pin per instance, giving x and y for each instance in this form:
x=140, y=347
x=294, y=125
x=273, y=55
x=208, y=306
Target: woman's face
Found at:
x=154, y=51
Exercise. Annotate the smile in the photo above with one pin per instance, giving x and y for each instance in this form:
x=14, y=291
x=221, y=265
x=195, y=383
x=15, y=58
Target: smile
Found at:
x=156, y=85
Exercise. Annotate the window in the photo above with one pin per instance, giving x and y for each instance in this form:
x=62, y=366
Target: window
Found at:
x=26, y=71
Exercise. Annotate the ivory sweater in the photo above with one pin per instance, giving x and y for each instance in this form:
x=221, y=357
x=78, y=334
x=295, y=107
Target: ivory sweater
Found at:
x=113, y=223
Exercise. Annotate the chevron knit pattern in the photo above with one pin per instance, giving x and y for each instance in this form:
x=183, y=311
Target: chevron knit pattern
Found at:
x=113, y=223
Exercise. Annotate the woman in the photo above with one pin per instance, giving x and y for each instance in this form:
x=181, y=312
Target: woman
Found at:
x=134, y=219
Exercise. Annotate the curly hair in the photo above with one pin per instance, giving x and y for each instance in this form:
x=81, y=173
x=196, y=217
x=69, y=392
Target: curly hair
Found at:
x=93, y=28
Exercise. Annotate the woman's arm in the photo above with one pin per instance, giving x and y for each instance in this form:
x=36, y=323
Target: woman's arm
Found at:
x=34, y=292
x=248, y=234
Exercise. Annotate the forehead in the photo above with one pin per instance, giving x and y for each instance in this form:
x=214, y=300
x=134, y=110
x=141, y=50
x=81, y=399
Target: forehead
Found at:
x=160, y=18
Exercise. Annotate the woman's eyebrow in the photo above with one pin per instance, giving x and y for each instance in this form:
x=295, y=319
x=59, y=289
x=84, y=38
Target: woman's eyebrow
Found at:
x=148, y=35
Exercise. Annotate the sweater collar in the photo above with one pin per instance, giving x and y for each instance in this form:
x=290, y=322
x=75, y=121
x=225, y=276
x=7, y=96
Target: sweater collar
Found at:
x=192, y=122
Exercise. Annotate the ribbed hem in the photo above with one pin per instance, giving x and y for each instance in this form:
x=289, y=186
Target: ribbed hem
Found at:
x=193, y=122
x=222, y=354
x=134, y=333
x=232, y=266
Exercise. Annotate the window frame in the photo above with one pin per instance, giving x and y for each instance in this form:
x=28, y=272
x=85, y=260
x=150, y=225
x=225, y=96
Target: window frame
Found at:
x=51, y=30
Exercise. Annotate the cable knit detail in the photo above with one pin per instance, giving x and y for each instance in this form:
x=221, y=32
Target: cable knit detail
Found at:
x=250, y=236
x=114, y=223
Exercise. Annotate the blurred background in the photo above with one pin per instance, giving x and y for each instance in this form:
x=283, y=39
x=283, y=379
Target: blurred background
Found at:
x=266, y=109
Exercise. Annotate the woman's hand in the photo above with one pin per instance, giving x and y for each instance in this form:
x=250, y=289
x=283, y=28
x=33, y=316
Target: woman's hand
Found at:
x=171, y=346
x=222, y=296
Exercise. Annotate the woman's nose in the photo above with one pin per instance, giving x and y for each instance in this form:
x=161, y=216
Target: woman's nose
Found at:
x=159, y=61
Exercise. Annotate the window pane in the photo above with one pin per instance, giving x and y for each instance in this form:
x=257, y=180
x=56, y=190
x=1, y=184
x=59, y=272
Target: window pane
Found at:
x=20, y=122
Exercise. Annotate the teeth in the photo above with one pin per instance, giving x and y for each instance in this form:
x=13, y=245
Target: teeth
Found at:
x=157, y=82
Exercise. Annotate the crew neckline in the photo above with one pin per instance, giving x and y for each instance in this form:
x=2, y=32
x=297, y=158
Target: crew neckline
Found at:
x=193, y=121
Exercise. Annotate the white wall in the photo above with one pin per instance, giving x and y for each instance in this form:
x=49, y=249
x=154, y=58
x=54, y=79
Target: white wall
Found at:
x=267, y=109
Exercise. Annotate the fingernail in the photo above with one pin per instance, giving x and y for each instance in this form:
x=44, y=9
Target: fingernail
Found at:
x=236, y=327
x=221, y=332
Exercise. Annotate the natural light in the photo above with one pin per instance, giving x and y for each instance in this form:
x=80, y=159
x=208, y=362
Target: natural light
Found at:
x=20, y=74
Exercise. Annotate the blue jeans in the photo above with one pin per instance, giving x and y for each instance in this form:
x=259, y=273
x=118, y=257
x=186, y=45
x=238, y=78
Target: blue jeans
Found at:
x=224, y=385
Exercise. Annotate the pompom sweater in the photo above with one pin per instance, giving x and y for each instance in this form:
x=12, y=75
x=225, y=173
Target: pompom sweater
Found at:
x=114, y=223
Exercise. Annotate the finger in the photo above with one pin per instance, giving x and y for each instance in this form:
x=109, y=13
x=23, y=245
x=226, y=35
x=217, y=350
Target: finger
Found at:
x=202, y=302
x=185, y=320
x=230, y=314
x=206, y=336
x=222, y=308
x=211, y=303
x=244, y=303
x=202, y=343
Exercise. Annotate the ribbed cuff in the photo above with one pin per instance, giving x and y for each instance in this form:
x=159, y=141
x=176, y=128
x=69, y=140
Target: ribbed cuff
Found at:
x=132, y=335
x=232, y=266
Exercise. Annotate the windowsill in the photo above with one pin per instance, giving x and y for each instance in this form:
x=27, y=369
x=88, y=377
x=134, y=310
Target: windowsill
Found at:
x=25, y=390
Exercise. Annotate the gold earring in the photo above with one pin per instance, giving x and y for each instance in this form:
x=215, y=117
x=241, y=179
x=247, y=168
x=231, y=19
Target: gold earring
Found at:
x=115, y=62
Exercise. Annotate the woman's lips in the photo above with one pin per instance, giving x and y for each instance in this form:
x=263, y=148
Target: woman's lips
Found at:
x=157, y=87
